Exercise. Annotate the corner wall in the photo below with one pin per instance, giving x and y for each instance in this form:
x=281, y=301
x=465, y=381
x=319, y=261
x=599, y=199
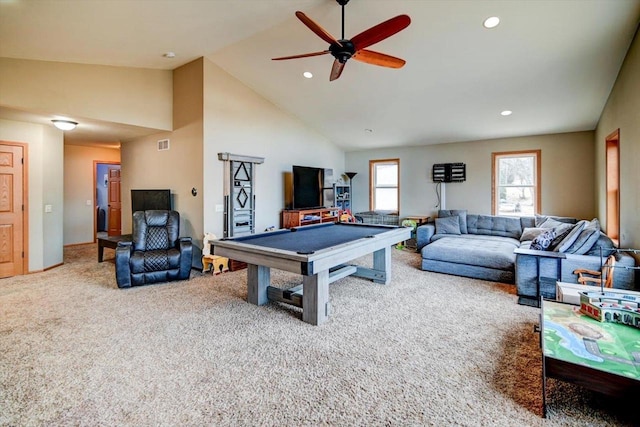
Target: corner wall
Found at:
x=179, y=168
x=622, y=111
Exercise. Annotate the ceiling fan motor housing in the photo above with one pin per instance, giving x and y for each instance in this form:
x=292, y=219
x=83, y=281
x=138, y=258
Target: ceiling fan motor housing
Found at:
x=344, y=52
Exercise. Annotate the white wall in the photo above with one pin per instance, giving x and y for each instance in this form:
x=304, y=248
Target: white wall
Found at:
x=622, y=111
x=78, y=188
x=135, y=96
x=45, y=173
x=239, y=121
x=567, y=176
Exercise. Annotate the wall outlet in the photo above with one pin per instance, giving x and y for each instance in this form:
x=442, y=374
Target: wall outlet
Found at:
x=48, y=208
x=219, y=208
x=89, y=202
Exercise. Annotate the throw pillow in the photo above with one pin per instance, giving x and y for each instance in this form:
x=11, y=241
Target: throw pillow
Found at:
x=561, y=228
x=543, y=241
x=443, y=213
x=448, y=225
x=530, y=233
x=604, y=243
x=570, y=237
x=587, y=238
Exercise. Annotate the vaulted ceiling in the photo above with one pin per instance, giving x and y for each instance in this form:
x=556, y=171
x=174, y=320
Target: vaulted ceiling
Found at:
x=553, y=63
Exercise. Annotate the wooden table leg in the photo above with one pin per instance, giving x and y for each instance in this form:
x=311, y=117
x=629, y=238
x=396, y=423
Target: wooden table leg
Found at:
x=315, y=298
x=382, y=262
x=258, y=279
x=100, y=250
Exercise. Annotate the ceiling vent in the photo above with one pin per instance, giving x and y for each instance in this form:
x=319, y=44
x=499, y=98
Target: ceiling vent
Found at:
x=163, y=144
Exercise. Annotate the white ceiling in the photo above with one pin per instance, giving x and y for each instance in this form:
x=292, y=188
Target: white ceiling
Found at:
x=552, y=62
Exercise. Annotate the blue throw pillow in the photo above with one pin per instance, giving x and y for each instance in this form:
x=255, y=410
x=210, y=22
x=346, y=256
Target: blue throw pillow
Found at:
x=543, y=241
x=456, y=212
x=448, y=225
x=587, y=238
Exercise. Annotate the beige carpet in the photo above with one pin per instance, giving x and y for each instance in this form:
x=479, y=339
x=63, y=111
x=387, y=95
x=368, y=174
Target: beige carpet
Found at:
x=429, y=349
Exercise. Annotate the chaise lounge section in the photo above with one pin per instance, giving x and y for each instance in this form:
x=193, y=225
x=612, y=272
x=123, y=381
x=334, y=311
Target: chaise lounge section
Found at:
x=497, y=248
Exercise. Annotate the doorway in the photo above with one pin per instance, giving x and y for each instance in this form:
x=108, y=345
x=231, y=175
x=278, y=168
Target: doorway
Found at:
x=13, y=209
x=107, y=218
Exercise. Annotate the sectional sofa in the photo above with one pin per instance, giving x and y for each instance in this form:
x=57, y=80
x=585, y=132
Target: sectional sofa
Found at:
x=499, y=249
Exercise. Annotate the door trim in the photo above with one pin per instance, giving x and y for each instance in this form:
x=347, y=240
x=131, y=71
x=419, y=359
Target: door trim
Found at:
x=95, y=199
x=25, y=202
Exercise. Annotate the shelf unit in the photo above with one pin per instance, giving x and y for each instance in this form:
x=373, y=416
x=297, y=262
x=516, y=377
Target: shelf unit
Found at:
x=342, y=196
x=297, y=217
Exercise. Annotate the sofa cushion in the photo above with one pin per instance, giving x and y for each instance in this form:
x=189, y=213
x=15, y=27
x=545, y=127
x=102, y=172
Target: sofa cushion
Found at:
x=542, y=218
x=456, y=212
x=531, y=233
x=543, y=241
x=569, y=238
x=485, y=251
x=494, y=225
x=448, y=225
x=587, y=238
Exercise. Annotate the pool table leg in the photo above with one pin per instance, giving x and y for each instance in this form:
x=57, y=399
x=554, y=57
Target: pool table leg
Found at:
x=315, y=298
x=382, y=262
x=258, y=279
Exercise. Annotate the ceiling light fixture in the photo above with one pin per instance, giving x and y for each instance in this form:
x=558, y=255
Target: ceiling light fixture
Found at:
x=491, y=22
x=368, y=130
x=307, y=74
x=64, y=124
x=506, y=113
x=169, y=55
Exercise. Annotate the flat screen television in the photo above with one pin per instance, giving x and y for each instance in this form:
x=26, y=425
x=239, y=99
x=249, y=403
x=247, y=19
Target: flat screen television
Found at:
x=307, y=187
x=146, y=200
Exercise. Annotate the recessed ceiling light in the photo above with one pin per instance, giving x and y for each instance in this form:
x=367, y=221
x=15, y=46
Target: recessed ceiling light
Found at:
x=507, y=113
x=368, y=130
x=169, y=55
x=491, y=22
x=307, y=74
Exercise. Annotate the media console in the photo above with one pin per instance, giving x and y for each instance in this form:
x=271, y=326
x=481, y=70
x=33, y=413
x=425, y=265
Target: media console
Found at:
x=297, y=217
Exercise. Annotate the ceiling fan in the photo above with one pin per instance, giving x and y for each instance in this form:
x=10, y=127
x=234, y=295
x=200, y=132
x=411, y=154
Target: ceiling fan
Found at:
x=355, y=48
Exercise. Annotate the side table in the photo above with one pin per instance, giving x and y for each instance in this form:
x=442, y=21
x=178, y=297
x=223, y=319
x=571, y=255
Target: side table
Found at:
x=110, y=242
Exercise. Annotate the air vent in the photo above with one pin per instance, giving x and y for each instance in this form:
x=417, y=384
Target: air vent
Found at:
x=163, y=144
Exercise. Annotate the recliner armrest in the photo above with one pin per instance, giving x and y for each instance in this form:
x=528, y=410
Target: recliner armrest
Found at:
x=185, y=245
x=123, y=269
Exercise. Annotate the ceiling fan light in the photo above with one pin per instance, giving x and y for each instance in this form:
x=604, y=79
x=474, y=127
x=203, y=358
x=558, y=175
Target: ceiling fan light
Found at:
x=506, y=113
x=307, y=74
x=491, y=22
x=64, y=124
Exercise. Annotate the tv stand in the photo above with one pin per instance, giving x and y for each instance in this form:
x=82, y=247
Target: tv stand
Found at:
x=297, y=217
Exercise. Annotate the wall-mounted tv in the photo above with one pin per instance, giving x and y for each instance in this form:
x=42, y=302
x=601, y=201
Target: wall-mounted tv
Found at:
x=146, y=200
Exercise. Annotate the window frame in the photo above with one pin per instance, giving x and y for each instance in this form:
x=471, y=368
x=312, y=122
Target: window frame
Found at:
x=495, y=176
x=373, y=186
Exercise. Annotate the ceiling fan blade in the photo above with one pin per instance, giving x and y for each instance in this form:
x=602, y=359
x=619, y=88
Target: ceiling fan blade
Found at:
x=336, y=70
x=304, y=55
x=377, y=58
x=381, y=31
x=320, y=32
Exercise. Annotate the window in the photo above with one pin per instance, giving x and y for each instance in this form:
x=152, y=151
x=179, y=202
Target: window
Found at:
x=384, y=176
x=516, y=183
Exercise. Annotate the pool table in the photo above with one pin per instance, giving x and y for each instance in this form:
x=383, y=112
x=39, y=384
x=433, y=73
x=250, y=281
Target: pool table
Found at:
x=318, y=253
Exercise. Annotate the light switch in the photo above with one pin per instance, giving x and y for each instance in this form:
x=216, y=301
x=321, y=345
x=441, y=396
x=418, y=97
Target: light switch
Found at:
x=89, y=202
x=219, y=208
x=48, y=208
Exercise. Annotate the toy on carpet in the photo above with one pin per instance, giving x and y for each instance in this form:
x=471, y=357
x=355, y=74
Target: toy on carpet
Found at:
x=215, y=263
